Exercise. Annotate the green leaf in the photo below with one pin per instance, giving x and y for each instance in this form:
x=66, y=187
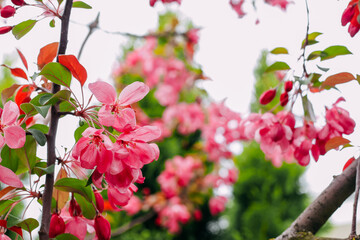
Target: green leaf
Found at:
x=279, y=50
x=277, y=66
x=41, y=127
x=80, y=4
x=66, y=236
x=29, y=109
x=18, y=159
x=43, y=110
x=66, y=107
x=314, y=55
x=28, y=224
x=322, y=68
x=79, y=131
x=40, y=169
x=308, y=109
x=23, y=28
x=45, y=98
x=57, y=73
x=39, y=136
x=334, y=51
x=75, y=186
x=60, y=95
x=5, y=206
x=311, y=39
x=52, y=23
x=87, y=208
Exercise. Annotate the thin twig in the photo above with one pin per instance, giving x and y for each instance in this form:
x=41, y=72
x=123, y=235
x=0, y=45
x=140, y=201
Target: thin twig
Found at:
x=92, y=26
x=306, y=38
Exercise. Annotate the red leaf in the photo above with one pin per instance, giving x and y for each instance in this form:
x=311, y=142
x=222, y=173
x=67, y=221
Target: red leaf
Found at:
x=23, y=59
x=337, y=79
x=77, y=70
x=17, y=72
x=47, y=54
x=335, y=142
x=17, y=230
x=5, y=191
x=348, y=163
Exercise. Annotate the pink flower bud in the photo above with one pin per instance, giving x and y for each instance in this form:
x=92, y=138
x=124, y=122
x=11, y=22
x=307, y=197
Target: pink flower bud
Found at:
x=57, y=225
x=267, y=96
x=18, y=2
x=6, y=29
x=99, y=201
x=102, y=228
x=288, y=86
x=74, y=208
x=348, y=14
x=197, y=215
x=284, y=99
x=8, y=11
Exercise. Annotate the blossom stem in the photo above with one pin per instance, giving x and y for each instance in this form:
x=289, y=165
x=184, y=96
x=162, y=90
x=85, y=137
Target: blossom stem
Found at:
x=51, y=154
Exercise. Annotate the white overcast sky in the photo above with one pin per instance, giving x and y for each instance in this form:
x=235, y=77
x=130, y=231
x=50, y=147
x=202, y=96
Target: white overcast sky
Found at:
x=229, y=49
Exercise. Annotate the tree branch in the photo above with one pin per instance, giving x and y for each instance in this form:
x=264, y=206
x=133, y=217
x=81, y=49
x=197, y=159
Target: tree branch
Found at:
x=51, y=155
x=319, y=211
x=92, y=26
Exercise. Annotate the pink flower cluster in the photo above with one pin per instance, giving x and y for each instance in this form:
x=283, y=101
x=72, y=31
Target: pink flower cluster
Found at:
x=152, y=2
x=168, y=74
x=280, y=140
x=120, y=161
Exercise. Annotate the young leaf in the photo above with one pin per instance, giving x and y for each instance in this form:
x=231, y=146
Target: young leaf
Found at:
x=279, y=50
x=61, y=197
x=29, y=109
x=23, y=59
x=5, y=191
x=80, y=4
x=52, y=23
x=40, y=169
x=77, y=70
x=43, y=110
x=57, y=73
x=308, y=109
x=75, y=186
x=336, y=142
x=277, y=66
x=60, y=95
x=334, y=51
x=311, y=39
x=28, y=224
x=8, y=92
x=338, y=78
x=17, y=72
x=314, y=55
x=39, y=136
x=47, y=54
x=23, y=28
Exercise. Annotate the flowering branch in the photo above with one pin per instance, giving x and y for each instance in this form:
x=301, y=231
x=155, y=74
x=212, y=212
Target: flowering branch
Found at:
x=319, y=211
x=51, y=155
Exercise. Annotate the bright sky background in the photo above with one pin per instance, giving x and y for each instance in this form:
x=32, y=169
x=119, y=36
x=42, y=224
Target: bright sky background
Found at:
x=229, y=49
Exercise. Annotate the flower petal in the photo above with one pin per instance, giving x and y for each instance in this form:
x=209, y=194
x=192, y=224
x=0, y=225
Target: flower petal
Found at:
x=133, y=93
x=15, y=136
x=145, y=134
x=10, y=113
x=10, y=178
x=103, y=92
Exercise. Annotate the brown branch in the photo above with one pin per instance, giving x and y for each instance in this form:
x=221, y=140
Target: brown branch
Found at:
x=356, y=200
x=319, y=211
x=132, y=224
x=51, y=155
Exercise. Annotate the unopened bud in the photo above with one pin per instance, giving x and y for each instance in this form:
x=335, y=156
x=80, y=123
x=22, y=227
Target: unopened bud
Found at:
x=288, y=86
x=7, y=11
x=99, y=201
x=284, y=99
x=6, y=29
x=267, y=96
x=57, y=225
x=102, y=228
x=74, y=208
x=18, y=2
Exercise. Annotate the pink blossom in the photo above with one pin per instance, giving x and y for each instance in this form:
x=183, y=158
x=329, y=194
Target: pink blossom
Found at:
x=134, y=206
x=76, y=226
x=152, y=2
x=94, y=149
x=116, y=111
x=4, y=237
x=8, y=177
x=14, y=135
x=281, y=3
x=217, y=204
